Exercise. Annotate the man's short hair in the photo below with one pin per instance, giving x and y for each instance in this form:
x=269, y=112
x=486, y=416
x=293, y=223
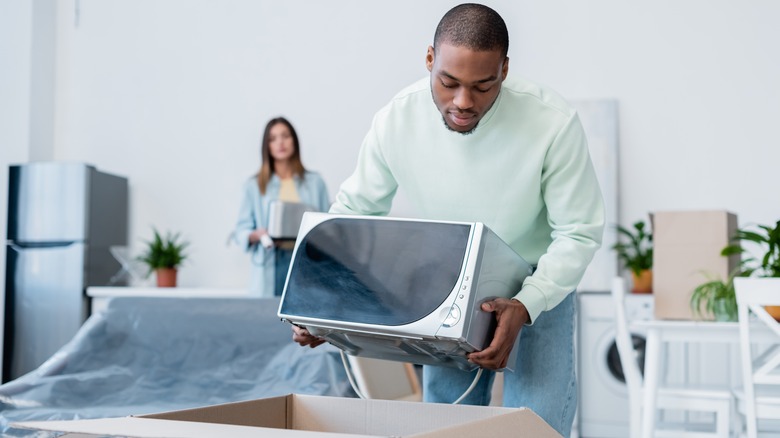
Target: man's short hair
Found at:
x=473, y=26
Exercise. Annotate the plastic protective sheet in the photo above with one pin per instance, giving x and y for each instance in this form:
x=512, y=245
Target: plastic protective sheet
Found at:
x=145, y=355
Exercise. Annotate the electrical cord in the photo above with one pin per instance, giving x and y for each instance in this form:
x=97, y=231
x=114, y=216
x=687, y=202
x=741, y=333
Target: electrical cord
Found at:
x=470, y=388
x=351, y=378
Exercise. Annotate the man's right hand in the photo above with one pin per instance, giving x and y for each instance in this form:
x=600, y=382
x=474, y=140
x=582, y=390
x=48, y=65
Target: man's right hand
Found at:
x=304, y=338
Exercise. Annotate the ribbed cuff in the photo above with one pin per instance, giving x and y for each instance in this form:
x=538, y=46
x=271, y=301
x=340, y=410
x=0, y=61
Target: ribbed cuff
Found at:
x=534, y=301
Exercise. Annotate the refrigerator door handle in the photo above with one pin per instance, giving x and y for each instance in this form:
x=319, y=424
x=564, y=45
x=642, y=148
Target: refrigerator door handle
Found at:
x=40, y=245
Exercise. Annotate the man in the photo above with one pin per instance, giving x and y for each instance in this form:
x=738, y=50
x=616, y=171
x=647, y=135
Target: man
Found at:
x=513, y=155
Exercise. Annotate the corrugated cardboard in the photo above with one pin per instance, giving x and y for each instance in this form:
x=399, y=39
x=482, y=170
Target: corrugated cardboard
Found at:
x=686, y=254
x=303, y=416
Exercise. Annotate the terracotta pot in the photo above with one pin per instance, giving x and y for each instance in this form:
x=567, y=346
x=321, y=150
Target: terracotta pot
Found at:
x=643, y=283
x=166, y=277
x=773, y=311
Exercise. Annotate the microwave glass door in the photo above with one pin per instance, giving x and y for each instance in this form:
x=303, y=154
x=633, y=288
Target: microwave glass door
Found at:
x=375, y=271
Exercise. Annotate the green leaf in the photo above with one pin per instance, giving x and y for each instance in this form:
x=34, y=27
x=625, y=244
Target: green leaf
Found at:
x=767, y=239
x=713, y=296
x=164, y=252
x=636, y=254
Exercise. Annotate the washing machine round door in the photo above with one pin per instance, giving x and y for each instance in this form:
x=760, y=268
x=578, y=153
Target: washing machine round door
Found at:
x=613, y=357
x=609, y=370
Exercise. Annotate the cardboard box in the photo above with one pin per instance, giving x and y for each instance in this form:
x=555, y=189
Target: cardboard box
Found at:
x=304, y=416
x=686, y=253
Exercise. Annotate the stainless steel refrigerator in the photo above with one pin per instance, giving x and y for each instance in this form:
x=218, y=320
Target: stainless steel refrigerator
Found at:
x=62, y=220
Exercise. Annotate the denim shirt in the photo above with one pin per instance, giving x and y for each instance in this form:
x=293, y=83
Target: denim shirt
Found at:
x=253, y=214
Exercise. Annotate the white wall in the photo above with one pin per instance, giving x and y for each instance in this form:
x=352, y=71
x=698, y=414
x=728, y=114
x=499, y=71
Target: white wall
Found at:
x=16, y=19
x=697, y=86
x=175, y=94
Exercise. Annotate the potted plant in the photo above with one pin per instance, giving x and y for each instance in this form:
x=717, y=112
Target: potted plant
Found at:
x=716, y=298
x=163, y=256
x=636, y=255
x=766, y=242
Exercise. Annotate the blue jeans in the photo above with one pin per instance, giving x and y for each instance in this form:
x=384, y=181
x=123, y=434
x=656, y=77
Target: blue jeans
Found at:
x=544, y=378
x=281, y=266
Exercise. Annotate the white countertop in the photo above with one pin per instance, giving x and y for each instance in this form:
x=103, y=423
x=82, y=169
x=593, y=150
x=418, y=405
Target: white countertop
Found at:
x=168, y=292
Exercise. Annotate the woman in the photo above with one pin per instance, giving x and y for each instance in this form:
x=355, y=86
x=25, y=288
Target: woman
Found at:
x=283, y=177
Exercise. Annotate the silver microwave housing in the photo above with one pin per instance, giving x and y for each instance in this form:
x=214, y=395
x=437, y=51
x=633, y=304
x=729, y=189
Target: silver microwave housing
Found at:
x=284, y=219
x=451, y=326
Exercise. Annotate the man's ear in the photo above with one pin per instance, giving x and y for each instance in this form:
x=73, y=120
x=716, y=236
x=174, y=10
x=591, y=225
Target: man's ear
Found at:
x=429, y=58
x=505, y=68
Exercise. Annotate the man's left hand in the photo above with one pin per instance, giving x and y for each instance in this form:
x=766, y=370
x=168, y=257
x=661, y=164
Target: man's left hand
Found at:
x=511, y=315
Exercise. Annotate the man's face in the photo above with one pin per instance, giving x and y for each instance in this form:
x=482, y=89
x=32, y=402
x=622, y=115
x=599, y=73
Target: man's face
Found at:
x=465, y=83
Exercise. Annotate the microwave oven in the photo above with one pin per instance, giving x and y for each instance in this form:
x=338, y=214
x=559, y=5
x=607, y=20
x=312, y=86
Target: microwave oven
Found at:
x=399, y=289
x=284, y=219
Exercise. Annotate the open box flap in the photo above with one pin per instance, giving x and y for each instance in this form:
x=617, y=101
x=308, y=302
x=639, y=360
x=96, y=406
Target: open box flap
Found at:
x=524, y=423
x=317, y=416
x=135, y=427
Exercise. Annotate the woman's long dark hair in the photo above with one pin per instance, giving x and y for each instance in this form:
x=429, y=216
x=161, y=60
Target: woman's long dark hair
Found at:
x=267, y=164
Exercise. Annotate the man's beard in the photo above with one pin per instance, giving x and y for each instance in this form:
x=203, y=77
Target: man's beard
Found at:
x=445, y=120
x=470, y=131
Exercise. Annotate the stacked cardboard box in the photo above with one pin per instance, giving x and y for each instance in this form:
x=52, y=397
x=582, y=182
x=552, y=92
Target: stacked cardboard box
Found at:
x=686, y=253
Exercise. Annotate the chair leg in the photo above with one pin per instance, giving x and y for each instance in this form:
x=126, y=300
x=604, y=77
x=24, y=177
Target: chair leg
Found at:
x=721, y=408
x=722, y=420
x=737, y=422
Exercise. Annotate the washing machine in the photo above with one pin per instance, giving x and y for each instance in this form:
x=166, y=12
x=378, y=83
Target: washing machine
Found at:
x=603, y=396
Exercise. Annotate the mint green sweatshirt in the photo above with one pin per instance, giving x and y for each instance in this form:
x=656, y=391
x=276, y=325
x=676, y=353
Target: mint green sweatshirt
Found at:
x=525, y=172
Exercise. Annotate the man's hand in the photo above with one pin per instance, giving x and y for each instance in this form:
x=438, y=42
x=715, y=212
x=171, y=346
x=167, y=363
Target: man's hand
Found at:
x=304, y=338
x=511, y=315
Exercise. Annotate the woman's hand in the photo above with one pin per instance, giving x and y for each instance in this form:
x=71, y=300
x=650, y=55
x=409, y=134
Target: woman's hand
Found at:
x=261, y=235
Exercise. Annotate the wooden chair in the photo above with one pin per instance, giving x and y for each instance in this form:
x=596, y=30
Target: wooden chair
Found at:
x=717, y=402
x=760, y=357
x=384, y=379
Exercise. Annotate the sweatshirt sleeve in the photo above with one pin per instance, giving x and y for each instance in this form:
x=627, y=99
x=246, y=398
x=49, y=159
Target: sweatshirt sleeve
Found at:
x=370, y=189
x=575, y=211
